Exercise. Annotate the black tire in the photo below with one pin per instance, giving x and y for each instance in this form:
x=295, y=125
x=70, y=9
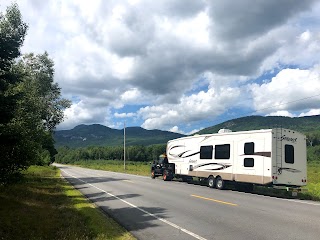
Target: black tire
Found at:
x=153, y=176
x=165, y=176
x=211, y=182
x=219, y=183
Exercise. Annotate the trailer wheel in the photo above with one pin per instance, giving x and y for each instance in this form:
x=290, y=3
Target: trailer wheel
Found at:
x=211, y=182
x=219, y=183
x=153, y=176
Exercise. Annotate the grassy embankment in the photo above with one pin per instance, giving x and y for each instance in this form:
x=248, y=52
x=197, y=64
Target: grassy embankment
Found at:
x=44, y=206
x=311, y=191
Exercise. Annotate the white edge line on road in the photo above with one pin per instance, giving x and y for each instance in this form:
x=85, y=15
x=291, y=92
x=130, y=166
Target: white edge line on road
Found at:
x=142, y=210
x=283, y=199
x=299, y=201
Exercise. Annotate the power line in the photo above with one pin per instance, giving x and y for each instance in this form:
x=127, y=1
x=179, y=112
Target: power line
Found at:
x=277, y=90
x=301, y=99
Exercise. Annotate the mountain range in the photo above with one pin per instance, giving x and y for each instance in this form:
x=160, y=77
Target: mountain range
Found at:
x=99, y=135
x=304, y=125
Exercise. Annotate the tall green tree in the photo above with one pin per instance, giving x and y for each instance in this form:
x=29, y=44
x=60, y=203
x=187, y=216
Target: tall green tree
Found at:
x=30, y=102
x=41, y=108
x=38, y=72
x=12, y=33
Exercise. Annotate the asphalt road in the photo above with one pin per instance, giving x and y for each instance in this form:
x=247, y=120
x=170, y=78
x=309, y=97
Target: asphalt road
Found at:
x=154, y=209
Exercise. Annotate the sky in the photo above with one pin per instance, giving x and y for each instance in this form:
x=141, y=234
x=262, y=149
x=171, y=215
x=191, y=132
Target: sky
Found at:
x=178, y=65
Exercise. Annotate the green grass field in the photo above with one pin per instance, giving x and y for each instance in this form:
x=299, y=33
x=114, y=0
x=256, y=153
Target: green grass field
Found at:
x=311, y=191
x=45, y=206
x=313, y=186
x=137, y=168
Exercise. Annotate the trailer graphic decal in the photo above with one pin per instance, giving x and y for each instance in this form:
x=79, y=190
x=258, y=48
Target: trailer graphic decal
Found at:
x=192, y=154
x=220, y=166
x=262, y=154
x=180, y=155
x=293, y=170
x=289, y=139
x=177, y=146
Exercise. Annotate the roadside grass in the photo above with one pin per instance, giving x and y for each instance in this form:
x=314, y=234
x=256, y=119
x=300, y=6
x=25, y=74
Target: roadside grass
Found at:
x=310, y=192
x=313, y=186
x=137, y=168
x=44, y=206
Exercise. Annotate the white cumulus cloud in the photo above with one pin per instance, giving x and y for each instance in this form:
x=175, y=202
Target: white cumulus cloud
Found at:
x=290, y=90
x=184, y=61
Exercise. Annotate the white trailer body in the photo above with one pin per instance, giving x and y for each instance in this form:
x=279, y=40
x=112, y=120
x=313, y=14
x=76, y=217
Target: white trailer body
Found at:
x=268, y=157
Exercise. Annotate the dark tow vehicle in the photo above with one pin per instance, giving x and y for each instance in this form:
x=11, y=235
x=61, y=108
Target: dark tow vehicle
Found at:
x=162, y=167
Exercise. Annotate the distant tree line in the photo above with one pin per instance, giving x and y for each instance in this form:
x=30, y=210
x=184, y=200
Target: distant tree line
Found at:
x=133, y=153
x=313, y=154
x=30, y=102
x=313, y=138
x=313, y=143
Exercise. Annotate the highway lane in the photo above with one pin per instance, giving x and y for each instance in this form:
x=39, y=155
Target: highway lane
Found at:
x=154, y=209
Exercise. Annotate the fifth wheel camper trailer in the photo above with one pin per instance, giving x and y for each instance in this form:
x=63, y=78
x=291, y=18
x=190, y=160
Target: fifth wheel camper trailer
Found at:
x=275, y=157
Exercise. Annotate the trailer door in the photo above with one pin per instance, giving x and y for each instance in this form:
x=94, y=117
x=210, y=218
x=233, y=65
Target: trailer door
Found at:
x=249, y=162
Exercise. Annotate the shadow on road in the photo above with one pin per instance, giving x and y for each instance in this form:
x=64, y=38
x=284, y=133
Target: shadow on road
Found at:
x=134, y=219
x=85, y=180
x=101, y=197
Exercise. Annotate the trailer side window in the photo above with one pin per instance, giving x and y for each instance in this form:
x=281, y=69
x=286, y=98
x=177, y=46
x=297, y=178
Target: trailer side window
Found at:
x=248, y=162
x=222, y=151
x=249, y=148
x=206, y=152
x=289, y=153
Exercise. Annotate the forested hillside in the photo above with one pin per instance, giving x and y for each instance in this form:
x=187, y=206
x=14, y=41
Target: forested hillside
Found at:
x=99, y=135
x=305, y=125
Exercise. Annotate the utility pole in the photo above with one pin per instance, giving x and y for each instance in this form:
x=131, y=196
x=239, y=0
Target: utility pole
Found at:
x=124, y=146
